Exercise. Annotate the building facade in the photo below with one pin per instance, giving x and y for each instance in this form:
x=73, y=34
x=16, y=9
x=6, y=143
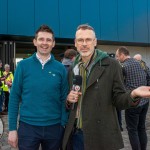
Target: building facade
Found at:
x=116, y=22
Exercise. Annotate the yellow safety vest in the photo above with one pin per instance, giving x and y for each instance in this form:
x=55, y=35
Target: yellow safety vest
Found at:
x=10, y=78
x=1, y=74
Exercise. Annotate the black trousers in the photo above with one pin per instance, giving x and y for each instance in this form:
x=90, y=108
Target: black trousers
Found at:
x=135, y=120
x=30, y=137
x=6, y=94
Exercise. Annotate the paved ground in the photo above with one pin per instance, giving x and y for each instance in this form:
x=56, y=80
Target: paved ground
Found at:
x=5, y=146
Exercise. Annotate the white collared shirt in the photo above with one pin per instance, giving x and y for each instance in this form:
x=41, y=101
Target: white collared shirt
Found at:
x=43, y=62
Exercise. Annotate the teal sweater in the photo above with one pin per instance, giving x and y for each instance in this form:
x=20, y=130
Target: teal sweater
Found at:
x=38, y=94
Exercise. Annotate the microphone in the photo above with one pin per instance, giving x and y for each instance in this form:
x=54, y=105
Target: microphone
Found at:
x=77, y=82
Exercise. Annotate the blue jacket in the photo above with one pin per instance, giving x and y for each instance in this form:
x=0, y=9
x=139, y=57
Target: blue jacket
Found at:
x=38, y=94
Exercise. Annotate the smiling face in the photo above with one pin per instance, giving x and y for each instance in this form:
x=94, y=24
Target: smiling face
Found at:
x=85, y=43
x=44, y=43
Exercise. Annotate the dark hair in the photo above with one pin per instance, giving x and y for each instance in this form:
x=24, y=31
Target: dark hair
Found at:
x=123, y=50
x=85, y=27
x=44, y=28
x=70, y=53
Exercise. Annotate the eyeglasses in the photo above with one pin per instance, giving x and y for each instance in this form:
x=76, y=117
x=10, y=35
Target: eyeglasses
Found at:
x=88, y=41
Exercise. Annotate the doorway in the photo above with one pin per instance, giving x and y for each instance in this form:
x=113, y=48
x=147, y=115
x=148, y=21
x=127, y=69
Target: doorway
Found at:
x=11, y=52
x=23, y=51
x=7, y=53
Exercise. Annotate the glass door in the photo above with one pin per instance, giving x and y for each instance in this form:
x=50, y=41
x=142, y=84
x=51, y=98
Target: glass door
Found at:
x=7, y=53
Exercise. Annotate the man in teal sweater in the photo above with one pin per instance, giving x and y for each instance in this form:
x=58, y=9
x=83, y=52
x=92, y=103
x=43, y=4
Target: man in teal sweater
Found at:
x=38, y=96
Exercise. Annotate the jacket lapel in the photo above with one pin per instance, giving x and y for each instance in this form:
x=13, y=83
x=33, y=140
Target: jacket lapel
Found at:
x=97, y=72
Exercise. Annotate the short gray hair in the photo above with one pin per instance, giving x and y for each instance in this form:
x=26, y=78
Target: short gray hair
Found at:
x=7, y=66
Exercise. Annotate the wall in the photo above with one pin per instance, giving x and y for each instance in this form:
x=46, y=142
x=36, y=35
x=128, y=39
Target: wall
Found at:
x=117, y=20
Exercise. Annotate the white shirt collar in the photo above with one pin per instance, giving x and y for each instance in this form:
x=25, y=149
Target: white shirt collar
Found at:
x=41, y=61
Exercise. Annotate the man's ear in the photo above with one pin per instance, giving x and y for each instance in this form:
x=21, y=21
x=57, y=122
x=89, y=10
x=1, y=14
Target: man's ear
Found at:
x=75, y=44
x=34, y=42
x=53, y=43
x=95, y=44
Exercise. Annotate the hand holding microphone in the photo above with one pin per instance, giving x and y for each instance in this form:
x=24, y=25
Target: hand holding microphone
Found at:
x=76, y=90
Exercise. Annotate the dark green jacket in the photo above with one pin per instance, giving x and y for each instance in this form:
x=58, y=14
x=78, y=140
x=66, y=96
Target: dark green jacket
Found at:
x=105, y=91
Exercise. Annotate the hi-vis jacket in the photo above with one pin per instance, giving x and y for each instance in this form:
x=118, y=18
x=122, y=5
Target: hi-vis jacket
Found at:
x=9, y=78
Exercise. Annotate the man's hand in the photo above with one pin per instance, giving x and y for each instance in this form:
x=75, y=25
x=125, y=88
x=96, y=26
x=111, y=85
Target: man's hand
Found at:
x=9, y=83
x=13, y=139
x=142, y=91
x=73, y=96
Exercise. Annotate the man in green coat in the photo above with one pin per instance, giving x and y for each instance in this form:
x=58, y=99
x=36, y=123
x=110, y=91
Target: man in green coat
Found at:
x=93, y=123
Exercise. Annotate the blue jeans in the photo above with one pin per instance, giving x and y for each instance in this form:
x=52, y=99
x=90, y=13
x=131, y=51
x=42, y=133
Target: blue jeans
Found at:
x=1, y=99
x=30, y=137
x=78, y=140
x=135, y=120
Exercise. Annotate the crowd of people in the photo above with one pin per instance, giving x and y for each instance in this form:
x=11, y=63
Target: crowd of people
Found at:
x=55, y=115
x=6, y=79
x=135, y=76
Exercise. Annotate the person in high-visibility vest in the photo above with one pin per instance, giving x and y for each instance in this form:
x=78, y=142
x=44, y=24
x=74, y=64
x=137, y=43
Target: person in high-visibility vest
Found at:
x=7, y=85
x=1, y=88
